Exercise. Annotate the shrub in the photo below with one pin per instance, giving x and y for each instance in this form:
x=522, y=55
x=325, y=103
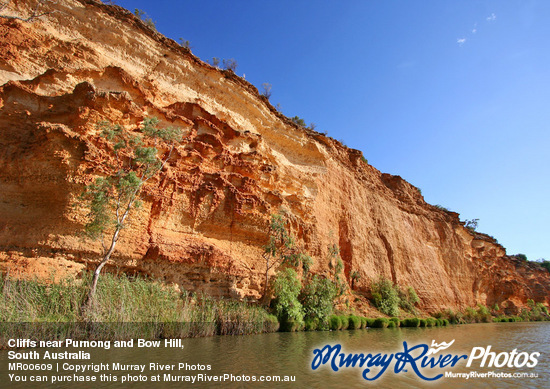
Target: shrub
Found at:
x=363, y=322
x=266, y=90
x=470, y=315
x=412, y=322
x=145, y=19
x=317, y=298
x=430, y=322
x=423, y=323
x=471, y=224
x=345, y=322
x=354, y=276
x=385, y=297
x=286, y=288
x=391, y=324
x=544, y=264
x=298, y=121
x=230, y=64
x=370, y=322
x=354, y=322
x=381, y=322
x=335, y=323
x=483, y=314
x=445, y=322
x=311, y=324
x=408, y=299
x=291, y=325
x=396, y=321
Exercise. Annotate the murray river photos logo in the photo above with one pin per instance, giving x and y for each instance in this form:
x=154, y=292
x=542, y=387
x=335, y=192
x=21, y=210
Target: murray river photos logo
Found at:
x=420, y=359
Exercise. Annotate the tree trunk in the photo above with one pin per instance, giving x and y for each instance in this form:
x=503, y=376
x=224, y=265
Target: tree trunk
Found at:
x=91, y=293
x=265, y=298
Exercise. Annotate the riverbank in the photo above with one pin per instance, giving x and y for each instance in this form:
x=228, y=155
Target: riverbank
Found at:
x=125, y=307
x=133, y=307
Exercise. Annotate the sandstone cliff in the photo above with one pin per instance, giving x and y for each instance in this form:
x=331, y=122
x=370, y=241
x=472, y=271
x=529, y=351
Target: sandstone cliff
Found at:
x=205, y=219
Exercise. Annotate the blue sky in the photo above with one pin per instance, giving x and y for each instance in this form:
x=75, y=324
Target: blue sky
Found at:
x=454, y=96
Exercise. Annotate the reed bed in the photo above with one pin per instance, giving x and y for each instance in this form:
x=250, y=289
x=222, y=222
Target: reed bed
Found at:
x=125, y=308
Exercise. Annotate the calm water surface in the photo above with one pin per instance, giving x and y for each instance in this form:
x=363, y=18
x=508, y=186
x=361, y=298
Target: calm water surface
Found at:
x=291, y=354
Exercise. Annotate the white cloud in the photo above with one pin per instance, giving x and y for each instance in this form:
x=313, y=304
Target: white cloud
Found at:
x=491, y=18
x=474, y=30
x=461, y=41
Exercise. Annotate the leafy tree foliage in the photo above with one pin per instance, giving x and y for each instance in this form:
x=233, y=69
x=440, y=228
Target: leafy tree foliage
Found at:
x=299, y=121
x=286, y=288
x=142, y=15
x=471, y=224
x=281, y=249
x=317, y=298
x=385, y=297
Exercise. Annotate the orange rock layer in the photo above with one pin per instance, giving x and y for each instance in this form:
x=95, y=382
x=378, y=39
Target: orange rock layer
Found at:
x=205, y=219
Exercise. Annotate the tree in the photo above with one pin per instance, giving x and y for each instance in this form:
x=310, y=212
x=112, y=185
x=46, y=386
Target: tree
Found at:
x=385, y=296
x=281, y=249
x=142, y=15
x=317, y=298
x=335, y=262
x=215, y=62
x=471, y=224
x=112, y=197
x=185, y=43
x=286, y=289
x=298, y=121
x=266, y=92
x=230, y=64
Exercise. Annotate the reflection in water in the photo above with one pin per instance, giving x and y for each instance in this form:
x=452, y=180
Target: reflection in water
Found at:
x=291, y=354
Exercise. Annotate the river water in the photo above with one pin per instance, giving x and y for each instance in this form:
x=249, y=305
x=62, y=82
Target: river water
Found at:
x=291, y=354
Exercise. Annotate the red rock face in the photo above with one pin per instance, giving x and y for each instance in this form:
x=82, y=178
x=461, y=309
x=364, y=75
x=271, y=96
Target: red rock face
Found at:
x=205, y=218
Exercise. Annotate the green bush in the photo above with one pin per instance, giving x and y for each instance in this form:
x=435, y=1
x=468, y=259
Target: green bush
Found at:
x=311, y=324
x=364, y=322
x=345, y=322
x=354, y=322
x=408, y=299
x=412, y=322
x=470, y=315
x=370, y=322
x=423, y=323
x=317, y=298
x=483, y=314
x=385, y=297
x=286, y=289
x=335, y=323
x=445, y=322
x=430, y=322
x=391, y=324
x=396, y=321
x=291, y=325
x=381, y=322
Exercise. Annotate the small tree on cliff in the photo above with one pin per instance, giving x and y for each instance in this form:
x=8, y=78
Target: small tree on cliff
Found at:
x=281, y=249
x=134, y=160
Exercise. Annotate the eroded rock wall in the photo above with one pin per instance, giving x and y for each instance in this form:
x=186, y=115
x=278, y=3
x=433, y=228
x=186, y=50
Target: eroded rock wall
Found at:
x=204, y=220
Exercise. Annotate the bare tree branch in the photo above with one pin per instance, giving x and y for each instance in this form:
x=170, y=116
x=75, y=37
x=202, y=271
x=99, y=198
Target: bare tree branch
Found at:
x=34, y=14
